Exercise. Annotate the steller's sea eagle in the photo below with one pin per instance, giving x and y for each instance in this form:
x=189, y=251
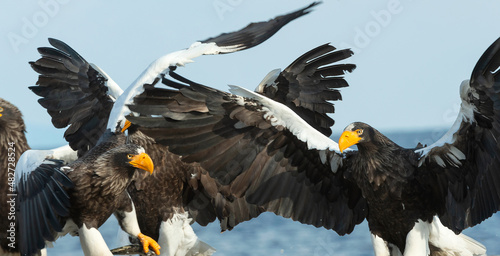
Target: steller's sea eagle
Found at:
x=55, y=199
x=416, y=201
x=82, y=97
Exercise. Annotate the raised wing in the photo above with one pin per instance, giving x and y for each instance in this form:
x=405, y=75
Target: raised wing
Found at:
x=309, y=84
x=259, y=148
x=75, y=93
x=80, y=95
x=469, y=152
x=245, y=38
x=258, y=32
x=42, y=203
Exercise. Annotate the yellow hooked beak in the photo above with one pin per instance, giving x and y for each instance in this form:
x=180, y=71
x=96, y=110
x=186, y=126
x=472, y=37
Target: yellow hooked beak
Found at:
x=126, y=126
x=142, y=161
x=347, y=139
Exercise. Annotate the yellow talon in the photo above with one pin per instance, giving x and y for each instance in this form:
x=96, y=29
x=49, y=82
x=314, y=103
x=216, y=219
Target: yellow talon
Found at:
x=147, y=242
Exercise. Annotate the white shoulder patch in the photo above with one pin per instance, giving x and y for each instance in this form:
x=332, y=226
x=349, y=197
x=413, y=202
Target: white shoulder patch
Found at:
x=32, y=158
x=465, y=115
x=154, y=70
x=268, y=80
x=65, y=153
x=114, y=91
x=280, y=115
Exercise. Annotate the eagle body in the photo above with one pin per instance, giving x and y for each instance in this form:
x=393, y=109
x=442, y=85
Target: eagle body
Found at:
x=416, y=201
x=93, y=105
x=79, y=197
x=170, y=179
x=396, y=197
x=102, y=186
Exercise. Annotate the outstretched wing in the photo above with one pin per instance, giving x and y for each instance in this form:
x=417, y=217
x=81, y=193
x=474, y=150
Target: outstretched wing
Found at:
x=465, y=162
x=75, y=93
x=175, y=183
x=80, y=95
x=245, y=38
x=309, y=84
x=259, y=148
x=256, y=33
x=42, y=203
x=207, y=200
x=202, y=188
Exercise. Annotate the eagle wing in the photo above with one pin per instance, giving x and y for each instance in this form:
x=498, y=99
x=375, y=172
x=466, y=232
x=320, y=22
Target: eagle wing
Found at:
x=256, y=32
x=82, y=96
x=43, y=203
x=309, y=84
x=76, y=94
x=258, y=148
x=202, y=186
x=242, y=39
x=465, y=162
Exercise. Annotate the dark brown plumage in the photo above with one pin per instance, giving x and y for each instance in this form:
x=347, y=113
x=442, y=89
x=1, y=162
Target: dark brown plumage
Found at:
x=247, y=154
x=12, y=144
x=86, y=107
x=309, y=84
x=99, y=183
x=77, y=96
x=388, y=178
x=58, y=199
x=190, y=189
x=265, y=152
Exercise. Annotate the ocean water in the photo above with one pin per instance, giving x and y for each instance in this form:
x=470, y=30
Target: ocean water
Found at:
x=273, y=235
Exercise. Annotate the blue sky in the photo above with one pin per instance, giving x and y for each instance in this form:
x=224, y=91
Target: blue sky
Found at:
x=411, y=55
